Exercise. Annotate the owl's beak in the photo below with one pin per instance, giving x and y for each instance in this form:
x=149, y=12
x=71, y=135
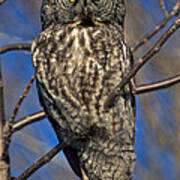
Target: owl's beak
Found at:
x=88, y=16
x=85, y=12
x=86, y=19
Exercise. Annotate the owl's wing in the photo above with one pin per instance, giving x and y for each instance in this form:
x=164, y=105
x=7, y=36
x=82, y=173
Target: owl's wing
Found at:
x=71, y=155
x=70, y=152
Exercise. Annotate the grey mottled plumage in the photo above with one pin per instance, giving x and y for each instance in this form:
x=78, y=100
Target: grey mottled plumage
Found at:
x=79, y=58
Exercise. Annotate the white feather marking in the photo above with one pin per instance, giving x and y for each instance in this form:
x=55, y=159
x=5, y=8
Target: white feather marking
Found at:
x=124, y=51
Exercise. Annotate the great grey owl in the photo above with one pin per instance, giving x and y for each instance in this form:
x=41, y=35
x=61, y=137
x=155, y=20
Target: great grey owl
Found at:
x=79, y=58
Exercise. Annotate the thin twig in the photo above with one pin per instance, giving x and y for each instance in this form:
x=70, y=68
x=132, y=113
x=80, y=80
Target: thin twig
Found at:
x=4, y=146
x=166, y=83
x=18, y=125
x=163, y=8
x=14, y=47
x=154, y=50
x=148, y=36
x=21, y=98
x=2, y=109
x=43, y=160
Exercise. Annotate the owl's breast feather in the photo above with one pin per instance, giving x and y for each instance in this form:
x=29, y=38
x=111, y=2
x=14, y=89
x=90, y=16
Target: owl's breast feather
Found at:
x=78, y=67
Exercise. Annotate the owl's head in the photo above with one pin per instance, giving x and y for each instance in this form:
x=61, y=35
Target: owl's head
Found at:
x=85, y=11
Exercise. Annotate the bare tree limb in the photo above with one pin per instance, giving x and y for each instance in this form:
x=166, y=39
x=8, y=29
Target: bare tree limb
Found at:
x=21, y=98
x=148, y=36
x=154, y=50
x=141, y=89
x=14, y=47
x=4, y=147
x=163, y=8
x=44, y=160
x=18, y=125
x=2, y=109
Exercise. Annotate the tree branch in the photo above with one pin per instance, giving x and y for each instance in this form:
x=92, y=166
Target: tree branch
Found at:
x=18, y=125
x=148, y=36
x=141, y=89
x=4, y=146
x=154, y=50
x=163, y=8
x=21, y=98
x=13, y=47
x=2, y=109
x=44, y=160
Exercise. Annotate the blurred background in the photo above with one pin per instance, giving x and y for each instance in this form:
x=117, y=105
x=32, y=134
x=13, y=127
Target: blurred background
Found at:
x=158, y=113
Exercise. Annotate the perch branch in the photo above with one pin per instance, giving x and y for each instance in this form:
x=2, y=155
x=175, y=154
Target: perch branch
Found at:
x=44, y=160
